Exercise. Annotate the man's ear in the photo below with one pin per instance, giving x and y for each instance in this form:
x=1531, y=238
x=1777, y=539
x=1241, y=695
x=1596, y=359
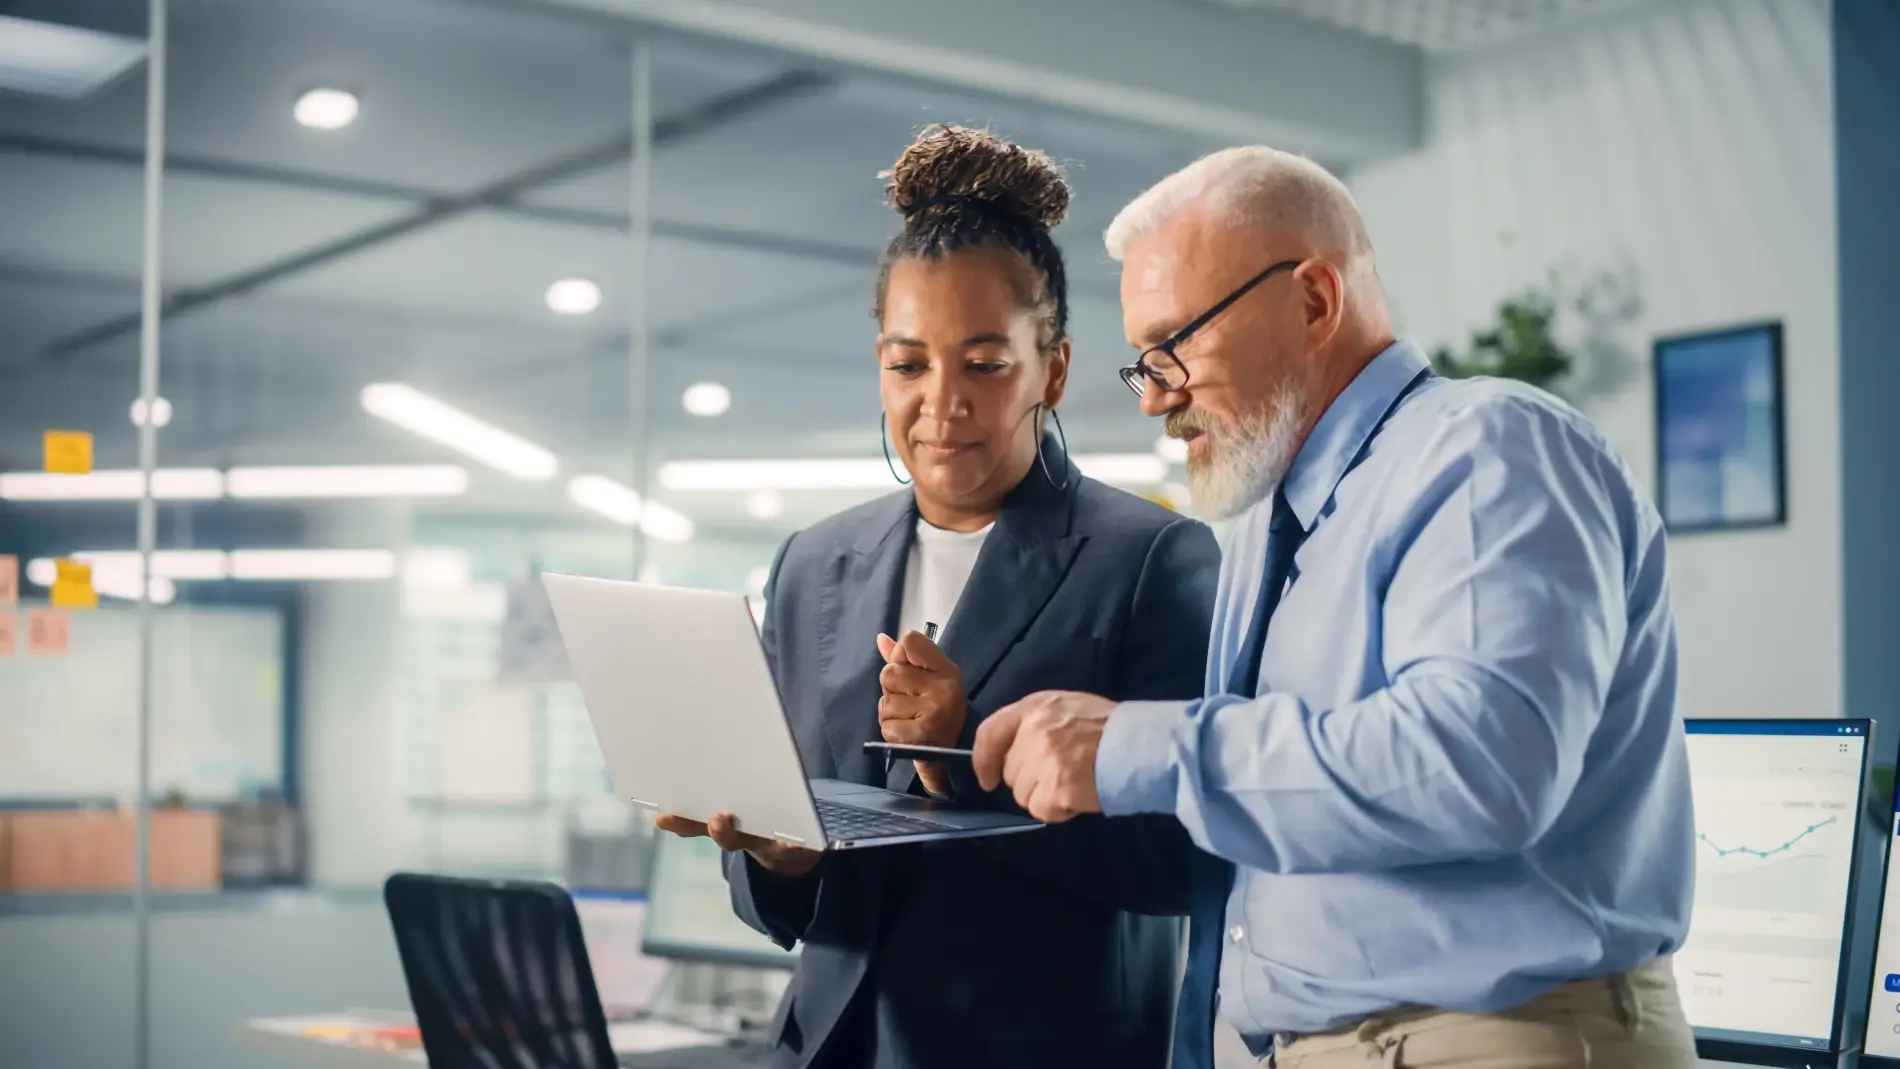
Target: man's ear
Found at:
x=1323, y=298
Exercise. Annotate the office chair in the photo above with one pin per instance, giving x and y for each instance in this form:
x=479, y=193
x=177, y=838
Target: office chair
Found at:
x=498, y=974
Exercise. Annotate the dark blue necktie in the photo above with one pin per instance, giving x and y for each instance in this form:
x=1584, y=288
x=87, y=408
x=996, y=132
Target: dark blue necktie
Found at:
x=1212, y=880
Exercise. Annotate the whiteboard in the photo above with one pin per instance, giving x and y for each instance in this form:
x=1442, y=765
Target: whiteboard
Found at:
x=68, y=726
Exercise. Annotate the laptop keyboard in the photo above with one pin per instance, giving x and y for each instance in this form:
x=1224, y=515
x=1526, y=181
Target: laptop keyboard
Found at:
x=848, y=822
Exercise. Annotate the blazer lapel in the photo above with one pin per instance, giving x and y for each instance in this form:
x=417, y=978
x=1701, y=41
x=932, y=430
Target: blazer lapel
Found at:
x=1018, y=570
x=861, y=605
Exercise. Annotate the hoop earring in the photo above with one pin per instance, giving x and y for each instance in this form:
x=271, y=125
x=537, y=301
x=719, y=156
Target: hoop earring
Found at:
x=884, y=439
x=1061, y=436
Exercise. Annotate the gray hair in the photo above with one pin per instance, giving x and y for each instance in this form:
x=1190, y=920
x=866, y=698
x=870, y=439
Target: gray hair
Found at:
x=1250, y=185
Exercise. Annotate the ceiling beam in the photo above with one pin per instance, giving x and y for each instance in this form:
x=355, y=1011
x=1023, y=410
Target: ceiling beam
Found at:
x=1187, y=66
x=316, y=182
x=507, y=190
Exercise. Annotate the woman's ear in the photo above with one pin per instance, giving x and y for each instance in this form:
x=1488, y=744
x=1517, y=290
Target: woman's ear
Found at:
x=1058, y=357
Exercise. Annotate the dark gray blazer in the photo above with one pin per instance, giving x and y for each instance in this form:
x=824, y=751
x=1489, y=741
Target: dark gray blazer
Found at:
x=1023, y=950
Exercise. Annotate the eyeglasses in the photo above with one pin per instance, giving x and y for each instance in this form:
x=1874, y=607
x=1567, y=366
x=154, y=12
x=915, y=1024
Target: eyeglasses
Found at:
x=1161, y=366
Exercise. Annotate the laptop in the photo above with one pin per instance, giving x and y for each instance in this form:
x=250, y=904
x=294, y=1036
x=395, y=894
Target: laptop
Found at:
x=690, y=722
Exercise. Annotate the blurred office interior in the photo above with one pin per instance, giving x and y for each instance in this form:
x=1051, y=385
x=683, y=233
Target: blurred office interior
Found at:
x=386, y=222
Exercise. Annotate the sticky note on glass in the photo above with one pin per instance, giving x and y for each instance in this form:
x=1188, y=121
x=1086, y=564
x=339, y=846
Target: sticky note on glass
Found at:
x=9, y=581
x=8, y=622
x=49, y=633
x=72, y=586
x=68, y=452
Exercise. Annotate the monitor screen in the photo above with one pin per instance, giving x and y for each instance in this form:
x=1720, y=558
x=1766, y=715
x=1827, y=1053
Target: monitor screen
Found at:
x=689, y=910
x=613, y=924
x=1776, y=803
x=1883, y=1011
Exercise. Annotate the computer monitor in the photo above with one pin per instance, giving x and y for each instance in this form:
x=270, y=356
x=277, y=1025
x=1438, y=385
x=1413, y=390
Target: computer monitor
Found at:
x=613, y=923
x=1763, y=973
x=1881, y=1050
x=689, y=910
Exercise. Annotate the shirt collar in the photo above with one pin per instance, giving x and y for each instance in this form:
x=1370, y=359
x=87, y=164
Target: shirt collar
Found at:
x=1345, y=427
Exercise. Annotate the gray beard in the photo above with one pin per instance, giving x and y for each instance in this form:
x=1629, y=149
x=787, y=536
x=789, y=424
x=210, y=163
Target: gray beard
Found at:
x=1250, y=458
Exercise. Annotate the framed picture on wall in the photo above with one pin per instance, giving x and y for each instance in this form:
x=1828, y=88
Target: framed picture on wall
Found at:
x=1720, y=456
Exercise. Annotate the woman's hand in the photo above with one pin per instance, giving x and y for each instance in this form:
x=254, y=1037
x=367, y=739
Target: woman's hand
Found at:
x=923, y=702
x=775, y=857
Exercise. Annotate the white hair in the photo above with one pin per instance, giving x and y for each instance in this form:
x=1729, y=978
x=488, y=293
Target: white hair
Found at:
x=1252, y=184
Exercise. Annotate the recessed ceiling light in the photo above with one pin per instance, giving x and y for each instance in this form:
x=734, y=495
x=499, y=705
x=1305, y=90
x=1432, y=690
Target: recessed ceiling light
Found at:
x=1171, y=449
x=573, y=296
x=765, y=505
x=326, y=109
x=161, y=412
x=707, y=399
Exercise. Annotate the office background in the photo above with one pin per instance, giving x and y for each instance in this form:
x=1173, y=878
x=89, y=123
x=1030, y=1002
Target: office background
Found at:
x=1698, y=164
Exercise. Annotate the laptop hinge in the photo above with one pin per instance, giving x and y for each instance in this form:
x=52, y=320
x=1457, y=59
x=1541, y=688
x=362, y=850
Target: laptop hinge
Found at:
x=643, y=804
x=792, y=840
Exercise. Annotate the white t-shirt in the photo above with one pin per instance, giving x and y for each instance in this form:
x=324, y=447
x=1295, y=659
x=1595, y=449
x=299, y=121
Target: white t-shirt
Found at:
x=939, y=568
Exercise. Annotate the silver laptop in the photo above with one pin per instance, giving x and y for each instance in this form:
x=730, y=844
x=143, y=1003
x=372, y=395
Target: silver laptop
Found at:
x=689, y=719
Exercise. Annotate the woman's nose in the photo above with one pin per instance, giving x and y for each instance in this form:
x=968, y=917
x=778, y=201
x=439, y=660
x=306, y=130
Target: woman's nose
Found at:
x=944, y=395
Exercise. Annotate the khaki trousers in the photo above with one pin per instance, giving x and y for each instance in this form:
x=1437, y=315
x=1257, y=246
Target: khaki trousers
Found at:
x=1629, y=1021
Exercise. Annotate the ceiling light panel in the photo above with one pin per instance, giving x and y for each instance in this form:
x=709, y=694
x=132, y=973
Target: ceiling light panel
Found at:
x=49, y=59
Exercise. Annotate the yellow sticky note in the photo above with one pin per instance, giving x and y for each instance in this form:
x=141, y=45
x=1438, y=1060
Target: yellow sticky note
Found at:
x=48, y=633
x=72, y=586
x=9, y=581
x=8, y=622
x=68, y=452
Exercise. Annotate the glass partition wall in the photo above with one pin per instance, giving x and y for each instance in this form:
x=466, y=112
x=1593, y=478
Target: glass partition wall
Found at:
x=428, y=297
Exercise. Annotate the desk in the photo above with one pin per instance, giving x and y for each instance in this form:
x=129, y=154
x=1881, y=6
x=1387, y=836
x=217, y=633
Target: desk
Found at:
x=318, y=1041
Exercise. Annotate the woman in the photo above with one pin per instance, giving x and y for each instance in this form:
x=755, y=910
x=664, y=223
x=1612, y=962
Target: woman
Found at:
x=1021, y=950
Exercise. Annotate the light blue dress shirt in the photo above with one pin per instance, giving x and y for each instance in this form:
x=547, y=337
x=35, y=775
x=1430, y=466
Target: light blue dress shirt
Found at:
x=1463, y=781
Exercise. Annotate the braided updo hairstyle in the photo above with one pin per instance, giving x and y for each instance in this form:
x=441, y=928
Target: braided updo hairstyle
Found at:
x=961, y=189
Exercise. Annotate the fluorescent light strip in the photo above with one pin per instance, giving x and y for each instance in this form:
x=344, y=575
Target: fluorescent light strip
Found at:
x=107, y=583
x=62, y=61
x=415, y=411
x=1123, y=469
x=749, y=475
x=168, y=484
x=439, y=480
x=313, y=564
x=619, y=503
x=433, y=569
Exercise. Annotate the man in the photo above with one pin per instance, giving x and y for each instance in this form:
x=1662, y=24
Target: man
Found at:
x=1446, y=789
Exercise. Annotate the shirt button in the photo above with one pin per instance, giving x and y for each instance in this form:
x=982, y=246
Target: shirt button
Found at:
x=1236, y=933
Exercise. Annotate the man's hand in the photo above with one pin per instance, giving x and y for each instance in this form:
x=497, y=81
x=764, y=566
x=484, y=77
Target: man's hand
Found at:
x=775, y=857
x=923, y=702
x=1044, y=748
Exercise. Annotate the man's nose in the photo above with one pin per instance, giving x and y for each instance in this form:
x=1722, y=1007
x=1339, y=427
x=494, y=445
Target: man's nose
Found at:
x=1156, y=401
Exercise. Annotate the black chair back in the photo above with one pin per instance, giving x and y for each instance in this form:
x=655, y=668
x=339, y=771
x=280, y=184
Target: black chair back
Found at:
x=498, y=974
